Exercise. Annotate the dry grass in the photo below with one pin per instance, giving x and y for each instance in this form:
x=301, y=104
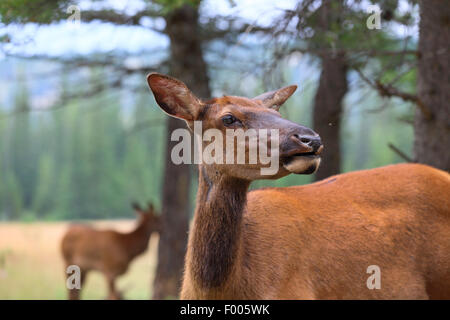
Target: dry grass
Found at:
x=31, y=266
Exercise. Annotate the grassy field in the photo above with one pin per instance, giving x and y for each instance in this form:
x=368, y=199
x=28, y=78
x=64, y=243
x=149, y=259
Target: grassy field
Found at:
x=31, y=266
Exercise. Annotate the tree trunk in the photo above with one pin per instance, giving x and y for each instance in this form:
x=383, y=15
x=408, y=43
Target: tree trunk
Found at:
x=329, y=97
x=432, y=136
x=327, y=113
x=188, y=65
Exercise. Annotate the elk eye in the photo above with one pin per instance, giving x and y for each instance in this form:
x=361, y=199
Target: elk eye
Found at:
x=229, y=119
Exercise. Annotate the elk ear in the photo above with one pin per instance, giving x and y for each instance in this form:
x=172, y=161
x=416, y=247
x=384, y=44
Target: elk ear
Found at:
x=174, y=97
x=274, y=99
x=136, y=206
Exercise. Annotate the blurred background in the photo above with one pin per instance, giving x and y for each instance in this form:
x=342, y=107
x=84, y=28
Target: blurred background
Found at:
x=81, y=135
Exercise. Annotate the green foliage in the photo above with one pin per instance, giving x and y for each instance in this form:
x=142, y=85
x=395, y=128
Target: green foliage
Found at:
x=79, y=162
x=43, y=198
x=169, y=5
x=5, y=38
x=21, y=135
x=39, y=11
x=12, y=197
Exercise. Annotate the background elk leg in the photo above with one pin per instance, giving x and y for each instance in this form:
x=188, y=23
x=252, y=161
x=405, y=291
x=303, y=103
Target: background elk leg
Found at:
x=74, y=294
x=113, y=293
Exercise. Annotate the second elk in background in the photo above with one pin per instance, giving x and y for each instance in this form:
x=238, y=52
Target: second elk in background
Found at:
x=107, y=251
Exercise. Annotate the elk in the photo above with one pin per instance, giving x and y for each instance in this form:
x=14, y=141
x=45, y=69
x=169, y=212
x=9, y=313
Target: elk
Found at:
x=315, y=241
x=107, y=251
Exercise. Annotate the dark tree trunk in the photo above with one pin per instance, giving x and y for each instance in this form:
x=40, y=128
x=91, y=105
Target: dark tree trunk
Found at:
x=432, y=135
x=188, y=65
x=327, y=112
x=329, y=98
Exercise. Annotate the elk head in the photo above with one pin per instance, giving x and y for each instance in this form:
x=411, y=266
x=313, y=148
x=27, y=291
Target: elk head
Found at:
x=147, y=218
x=298, y=146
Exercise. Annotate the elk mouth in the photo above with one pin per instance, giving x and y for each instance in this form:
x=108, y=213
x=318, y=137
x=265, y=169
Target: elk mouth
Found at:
x=289, y=156
x=302, y=162
x=303, y=154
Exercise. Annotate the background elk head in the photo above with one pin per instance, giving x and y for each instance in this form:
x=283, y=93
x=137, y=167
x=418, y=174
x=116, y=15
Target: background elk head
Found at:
x=147, y=217
x=299, y=146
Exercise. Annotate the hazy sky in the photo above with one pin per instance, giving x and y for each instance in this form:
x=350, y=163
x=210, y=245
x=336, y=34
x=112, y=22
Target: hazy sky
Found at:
x=69, y=38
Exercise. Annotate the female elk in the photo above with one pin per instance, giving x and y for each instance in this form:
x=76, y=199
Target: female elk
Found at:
x=107, y=251
x=307, y=242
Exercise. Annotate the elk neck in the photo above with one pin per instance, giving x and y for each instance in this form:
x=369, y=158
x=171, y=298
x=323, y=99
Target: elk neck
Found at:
x=136, y=241
x=215, y=241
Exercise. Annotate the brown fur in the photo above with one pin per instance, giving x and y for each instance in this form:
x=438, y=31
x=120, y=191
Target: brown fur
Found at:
x=107, y=251
x=314, y=241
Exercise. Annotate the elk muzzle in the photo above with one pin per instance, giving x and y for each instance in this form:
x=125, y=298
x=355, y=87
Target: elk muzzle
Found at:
x=300, y=150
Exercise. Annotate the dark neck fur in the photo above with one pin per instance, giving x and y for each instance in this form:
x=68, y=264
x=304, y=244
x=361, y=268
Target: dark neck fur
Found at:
x=217, y=227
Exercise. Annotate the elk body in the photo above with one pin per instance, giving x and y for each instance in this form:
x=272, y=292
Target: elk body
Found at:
x=107, y=251
x=307, y=242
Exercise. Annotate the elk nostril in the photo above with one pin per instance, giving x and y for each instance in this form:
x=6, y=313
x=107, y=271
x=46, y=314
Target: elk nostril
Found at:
x=305, y=140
